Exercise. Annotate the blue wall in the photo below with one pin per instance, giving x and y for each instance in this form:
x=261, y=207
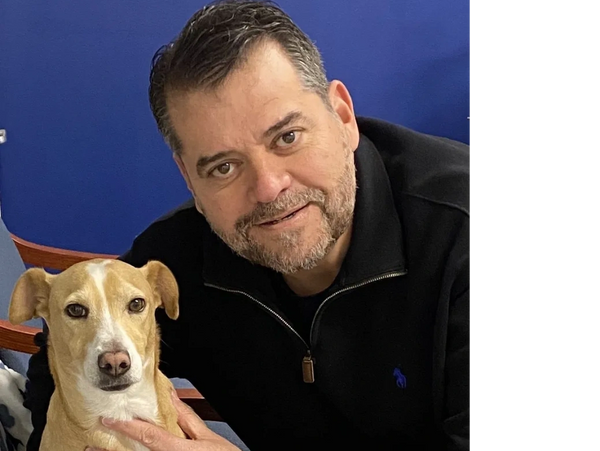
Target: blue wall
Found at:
x=84, y=166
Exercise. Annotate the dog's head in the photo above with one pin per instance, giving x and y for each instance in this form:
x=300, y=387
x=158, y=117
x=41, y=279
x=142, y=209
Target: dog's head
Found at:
x=100, y=314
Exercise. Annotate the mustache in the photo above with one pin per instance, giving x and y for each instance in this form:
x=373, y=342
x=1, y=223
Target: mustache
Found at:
x=288, y=201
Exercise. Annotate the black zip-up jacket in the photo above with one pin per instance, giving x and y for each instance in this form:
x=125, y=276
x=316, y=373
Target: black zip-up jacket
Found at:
x=389, y=347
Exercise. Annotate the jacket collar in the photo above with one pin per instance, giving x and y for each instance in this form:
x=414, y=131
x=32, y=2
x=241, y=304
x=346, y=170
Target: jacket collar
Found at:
x=376, y=246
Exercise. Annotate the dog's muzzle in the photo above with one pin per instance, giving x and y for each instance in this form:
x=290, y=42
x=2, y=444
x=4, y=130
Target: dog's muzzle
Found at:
x=113, y=367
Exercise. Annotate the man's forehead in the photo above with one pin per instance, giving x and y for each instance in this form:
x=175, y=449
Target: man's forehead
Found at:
x=252, y=99
x=211, y=130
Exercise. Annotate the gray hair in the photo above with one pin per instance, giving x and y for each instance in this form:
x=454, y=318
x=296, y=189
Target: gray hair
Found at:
x=215, y=41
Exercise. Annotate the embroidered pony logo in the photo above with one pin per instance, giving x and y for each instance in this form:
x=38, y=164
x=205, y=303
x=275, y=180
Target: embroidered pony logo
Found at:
x=400, y=378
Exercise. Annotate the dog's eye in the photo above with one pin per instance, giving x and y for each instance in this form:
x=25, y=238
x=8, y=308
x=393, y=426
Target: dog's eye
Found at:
x=76, y=311
x=137, y=305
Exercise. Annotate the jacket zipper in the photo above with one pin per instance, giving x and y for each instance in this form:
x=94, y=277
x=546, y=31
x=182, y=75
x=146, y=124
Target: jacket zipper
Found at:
x=308, y=362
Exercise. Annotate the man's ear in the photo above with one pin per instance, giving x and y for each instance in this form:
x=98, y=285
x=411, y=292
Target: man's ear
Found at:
x=342, y=105
x=163, y=283
x=30, y=296
x=183, y=171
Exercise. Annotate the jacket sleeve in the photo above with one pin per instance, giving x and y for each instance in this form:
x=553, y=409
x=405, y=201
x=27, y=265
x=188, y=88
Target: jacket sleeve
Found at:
x=456, y=421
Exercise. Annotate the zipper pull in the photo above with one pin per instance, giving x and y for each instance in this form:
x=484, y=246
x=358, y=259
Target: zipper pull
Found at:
x=308, y=369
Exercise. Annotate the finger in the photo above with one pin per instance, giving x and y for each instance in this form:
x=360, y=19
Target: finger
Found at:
x=189, y=421
x=152, y=437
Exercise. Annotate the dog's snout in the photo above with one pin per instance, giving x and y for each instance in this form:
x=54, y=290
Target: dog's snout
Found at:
x=115, y=363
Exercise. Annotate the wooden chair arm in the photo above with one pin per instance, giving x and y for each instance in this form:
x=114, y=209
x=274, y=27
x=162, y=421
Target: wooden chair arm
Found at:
x=18, y=338
x=52, y=257
x=196, y=401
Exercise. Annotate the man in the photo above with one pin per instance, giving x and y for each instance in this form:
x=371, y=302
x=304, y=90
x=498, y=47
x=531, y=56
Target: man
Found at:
x=323, y=264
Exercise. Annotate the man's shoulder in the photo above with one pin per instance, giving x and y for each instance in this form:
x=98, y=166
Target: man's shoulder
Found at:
x=176, y=216
x=421, y=166
x=175, y=236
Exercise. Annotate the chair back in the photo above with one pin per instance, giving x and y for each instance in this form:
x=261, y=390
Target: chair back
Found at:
x=11, y=267
x=16, y=342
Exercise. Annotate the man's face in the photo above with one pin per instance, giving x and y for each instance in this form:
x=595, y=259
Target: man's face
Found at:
x=269, y=165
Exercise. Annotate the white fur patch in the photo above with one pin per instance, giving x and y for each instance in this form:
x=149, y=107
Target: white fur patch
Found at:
x=137, y=401
x=109, y=332
x=98, y=273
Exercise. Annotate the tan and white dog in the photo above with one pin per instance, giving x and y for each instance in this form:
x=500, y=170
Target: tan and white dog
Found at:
x=103, y=348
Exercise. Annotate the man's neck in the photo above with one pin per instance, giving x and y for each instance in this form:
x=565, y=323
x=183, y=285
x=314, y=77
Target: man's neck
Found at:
x=318, y=279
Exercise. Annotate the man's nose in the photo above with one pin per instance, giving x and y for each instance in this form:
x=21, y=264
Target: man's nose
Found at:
x=271, y=178
x=114, y=363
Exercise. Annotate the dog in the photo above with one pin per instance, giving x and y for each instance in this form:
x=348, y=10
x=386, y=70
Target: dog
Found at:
x=103, y=348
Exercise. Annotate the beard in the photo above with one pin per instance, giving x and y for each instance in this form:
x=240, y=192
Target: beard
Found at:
x=290, y=251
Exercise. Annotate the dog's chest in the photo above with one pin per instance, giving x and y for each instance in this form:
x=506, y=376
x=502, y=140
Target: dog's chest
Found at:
x=132, y=408
x=129, y=408
x=139, y=401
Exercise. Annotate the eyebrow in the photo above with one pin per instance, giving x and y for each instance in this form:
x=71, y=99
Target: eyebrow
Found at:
x=273, y=129
x=291, y=117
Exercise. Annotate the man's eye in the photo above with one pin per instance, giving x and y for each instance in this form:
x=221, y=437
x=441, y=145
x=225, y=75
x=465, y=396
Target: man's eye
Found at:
x=287, y=138
x=76, y=311
x=223, y=170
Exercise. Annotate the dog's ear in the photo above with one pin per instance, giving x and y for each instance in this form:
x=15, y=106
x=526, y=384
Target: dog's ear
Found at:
x=163, y=283
x=30, y=296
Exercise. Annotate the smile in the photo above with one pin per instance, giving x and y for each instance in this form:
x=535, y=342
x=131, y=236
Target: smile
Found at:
x=284, y=218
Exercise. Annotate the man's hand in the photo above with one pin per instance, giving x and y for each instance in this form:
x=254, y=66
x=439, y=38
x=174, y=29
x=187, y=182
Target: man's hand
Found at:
x=157, y=439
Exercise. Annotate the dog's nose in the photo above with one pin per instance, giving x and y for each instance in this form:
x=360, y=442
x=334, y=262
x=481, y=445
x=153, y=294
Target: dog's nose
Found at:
x=114, y=363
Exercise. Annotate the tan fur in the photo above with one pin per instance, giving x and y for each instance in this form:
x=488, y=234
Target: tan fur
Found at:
x=106, y=287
